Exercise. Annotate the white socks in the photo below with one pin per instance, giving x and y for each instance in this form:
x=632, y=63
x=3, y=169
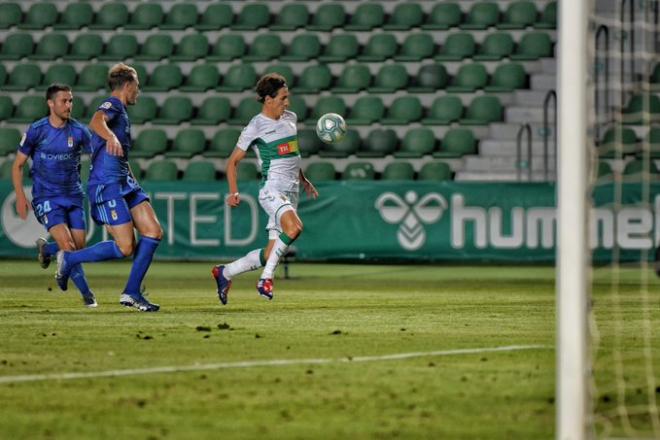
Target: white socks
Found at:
x=279, y=248
x=251, y=261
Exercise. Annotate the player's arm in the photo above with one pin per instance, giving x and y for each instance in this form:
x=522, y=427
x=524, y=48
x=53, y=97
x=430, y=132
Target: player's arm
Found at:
x=309, y=188
x=99, y=125
x=233, y=199
x=22, y=204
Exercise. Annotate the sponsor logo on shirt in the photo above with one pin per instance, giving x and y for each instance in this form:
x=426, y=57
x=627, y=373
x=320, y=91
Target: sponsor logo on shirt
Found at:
x=106, y=105
x=287, y=147
x=61, y=156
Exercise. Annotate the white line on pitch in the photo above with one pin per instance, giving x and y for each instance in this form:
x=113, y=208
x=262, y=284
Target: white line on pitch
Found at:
x=259, y=363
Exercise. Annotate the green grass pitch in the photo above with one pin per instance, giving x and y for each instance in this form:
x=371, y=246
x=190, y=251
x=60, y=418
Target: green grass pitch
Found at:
x=323, y=312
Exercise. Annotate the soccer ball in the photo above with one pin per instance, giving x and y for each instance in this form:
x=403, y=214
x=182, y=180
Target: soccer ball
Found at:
x=331, y=128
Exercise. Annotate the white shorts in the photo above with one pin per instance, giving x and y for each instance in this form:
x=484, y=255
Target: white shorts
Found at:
x=276, y=203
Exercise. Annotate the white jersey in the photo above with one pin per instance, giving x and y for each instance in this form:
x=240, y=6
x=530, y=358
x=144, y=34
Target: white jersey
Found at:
x=276, y=145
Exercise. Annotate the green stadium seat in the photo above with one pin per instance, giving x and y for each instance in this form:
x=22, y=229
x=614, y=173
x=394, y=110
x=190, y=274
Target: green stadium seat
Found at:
x=10, y=15
x=457, y=142
x=353, y=79
x=398, y=170
x=51, y=47
x=227, y=48
x=85, y=47
x=161, y=171
x=457, y=47
x=187, y=143
x=165, y=77
x=39, y=16
x=174, y=111
x=141, y=71
x=92, y=77
x=136, y=169
x=532, y=46
x=404, y=110
x=303, y=47
x=309, y=142
x=29, y=109
x=367, y=16
x=94, y=104
x=320, y=171
x=283, y=69
x=77, y=108
x=429, y=78
x=299, y=107
x=314, y=79
x=416, y=47
x=149, y=143
x=344, y=148
x=9, y=139
x=201, y=78
x=483, y=110
x=111, y=16
x=214, y=110
x=146, y=16
x=291, y=17
x=239, y=77
x=3, y=74
x=633, y=113
x=23, y=77
x=443, y=16
x=507, y=78
x=120, y=47
x=327, y=104
x=180, y=16
x=469, y=78
x=215, y=17
x=416, y=143
x=16, y=46
x=340, y=48
x=75, y=16
x=618, y=141
x=366, y=110
x=404, y=17
x=247, y=171
x=359, y=171
x=655, y=78
x=604, y=172
x=156, y=47
x=379, y=143
x=637, y=170
x=223, y=143
x=444, y=110
x=5, y=170
x=6, y=108
x=265, y=47
x=390, y=78
x=519, y=15
x=434, y=171
x=199, y=172
x=495, y=46
x=481, y=15
x=143, y=111
x=246, y=110
x=253, y=16
x=548, y=17
x=653, y=139
x=328, y=17
x=191, y=47
x=379, y=47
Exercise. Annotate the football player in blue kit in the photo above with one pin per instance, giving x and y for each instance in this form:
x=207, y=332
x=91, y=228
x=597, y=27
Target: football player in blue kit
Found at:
x=116, y=199
x=54, y=144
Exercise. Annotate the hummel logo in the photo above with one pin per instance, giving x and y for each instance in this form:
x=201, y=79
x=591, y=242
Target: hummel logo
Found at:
x=271, y=132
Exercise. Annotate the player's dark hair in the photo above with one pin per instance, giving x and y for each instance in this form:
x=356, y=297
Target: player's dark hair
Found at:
x=269, y=85
x=119, y=75
x=54, y=88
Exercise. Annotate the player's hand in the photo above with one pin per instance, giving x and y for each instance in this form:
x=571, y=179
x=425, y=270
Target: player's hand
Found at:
x=113, y=147
x=234, y=199
x=22, y=207
x=310, y=189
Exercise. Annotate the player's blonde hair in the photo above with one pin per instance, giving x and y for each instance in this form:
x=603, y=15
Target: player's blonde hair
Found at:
x=119, y=75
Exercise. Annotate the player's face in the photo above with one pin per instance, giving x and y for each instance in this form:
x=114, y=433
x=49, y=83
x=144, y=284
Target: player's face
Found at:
x=132, y=91
x=61, y=105
x=279, y=103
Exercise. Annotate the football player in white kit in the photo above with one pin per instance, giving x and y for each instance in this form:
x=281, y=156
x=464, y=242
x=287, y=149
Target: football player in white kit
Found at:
x=273, y=135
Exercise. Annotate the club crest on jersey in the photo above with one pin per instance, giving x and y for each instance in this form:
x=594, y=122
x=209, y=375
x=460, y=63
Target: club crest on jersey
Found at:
x=113, y=214
x=45, y=219
x=69, y=141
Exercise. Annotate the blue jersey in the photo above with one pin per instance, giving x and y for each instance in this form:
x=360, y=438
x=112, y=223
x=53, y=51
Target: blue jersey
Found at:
x=105, y=167
x=55, y=154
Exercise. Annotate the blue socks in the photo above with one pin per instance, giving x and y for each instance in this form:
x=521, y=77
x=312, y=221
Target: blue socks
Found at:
x=51, y=249
x=78, y=278
x=144, y=253
x=105, y=250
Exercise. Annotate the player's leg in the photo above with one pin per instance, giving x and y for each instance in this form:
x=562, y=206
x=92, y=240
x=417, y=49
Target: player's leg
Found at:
x=223, y=274
x=77, y=272
x=45, y=251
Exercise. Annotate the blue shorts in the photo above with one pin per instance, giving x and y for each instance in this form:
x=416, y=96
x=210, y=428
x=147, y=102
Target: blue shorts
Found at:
x=52, y=211
x=111, y=204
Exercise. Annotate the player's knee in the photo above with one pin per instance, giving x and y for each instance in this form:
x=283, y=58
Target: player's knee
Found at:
x=68, y=246
x=154, y=232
